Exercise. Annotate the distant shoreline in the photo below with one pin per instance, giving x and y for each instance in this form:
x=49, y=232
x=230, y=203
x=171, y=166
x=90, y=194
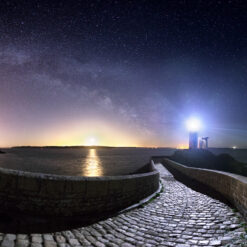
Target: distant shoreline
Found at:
x=64, y=147
x=82, y=146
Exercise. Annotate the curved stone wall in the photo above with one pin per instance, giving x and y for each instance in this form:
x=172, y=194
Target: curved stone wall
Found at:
x=45, y=194
x=233, y=187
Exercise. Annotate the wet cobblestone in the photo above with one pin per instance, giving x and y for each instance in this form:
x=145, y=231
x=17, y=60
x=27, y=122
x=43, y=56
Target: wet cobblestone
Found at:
x=178, y=217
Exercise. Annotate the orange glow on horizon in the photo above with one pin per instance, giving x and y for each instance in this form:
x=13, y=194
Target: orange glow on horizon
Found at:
x=90, y=132
x=78, y=133
x=182, y=146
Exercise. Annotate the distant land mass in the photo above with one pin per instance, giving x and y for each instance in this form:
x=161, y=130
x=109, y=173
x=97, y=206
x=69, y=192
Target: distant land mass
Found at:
x=90, y=147
x=201, y=158
x=60, y=147
x=1, y=152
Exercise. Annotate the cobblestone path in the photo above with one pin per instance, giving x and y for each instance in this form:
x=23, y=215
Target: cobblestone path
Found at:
x=178, y=217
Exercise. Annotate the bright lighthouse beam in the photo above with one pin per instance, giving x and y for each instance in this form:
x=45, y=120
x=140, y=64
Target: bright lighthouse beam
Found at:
x=193, y=124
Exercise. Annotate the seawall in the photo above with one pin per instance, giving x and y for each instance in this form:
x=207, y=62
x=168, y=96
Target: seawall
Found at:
x=231, y=186
x=55, y=195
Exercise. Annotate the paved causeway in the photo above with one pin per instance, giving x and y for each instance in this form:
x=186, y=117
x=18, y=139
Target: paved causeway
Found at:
x=178, y=217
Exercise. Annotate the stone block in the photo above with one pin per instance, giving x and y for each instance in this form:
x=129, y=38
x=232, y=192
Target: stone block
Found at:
x=129, y=186
x=115, y=187
x=49, y=243
x=8, y=183
x=28, y=184
x=96, y=188
x=75, y=187
x=7, y=243
x=22, y=243
x=52, y=188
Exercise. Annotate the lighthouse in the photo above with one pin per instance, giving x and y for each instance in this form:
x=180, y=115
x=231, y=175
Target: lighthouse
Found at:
x=193, y=125
x=193, y=140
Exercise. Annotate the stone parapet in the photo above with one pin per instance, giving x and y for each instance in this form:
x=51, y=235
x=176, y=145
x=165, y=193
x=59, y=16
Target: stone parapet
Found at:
x=231, y=186
x=45, y=194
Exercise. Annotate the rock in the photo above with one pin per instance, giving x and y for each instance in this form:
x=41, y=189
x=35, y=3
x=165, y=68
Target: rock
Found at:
x=74, y=242
x=36, y=245
x=226, y=240
x=8, y=243
x=215, y=243
x=60, y=239
x=22, y=237
x=37, y=239
x=22, y=243
x=49, y=243
x=10, y=237
x=233, y=226
x=48, y=237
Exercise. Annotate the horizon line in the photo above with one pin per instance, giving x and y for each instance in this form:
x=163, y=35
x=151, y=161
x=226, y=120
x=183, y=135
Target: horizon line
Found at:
x=104, y=146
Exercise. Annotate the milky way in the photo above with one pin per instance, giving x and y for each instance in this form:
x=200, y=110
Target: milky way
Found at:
x=128, y=73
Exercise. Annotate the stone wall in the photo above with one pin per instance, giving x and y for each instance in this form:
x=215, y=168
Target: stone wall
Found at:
x=45, y=194
x=232, y=187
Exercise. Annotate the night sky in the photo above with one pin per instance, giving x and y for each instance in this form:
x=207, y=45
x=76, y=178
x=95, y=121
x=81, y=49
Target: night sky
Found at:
x=122, y=73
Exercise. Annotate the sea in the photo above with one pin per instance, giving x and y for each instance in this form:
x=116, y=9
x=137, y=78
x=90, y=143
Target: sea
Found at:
x=90, y=162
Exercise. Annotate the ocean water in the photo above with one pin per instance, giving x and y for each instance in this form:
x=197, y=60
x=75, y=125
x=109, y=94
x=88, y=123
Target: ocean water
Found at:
x=80, y=161
x=90, y=162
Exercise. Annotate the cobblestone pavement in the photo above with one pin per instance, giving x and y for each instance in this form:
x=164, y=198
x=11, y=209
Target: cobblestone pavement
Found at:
x=178, y=217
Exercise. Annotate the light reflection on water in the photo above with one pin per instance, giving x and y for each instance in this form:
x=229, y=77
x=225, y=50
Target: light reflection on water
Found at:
x=93, y=166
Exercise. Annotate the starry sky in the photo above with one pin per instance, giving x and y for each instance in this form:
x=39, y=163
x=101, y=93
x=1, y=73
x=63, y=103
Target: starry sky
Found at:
x=122, y=73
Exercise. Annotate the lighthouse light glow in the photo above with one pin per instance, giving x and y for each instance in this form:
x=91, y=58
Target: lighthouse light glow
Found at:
x=193, y=124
